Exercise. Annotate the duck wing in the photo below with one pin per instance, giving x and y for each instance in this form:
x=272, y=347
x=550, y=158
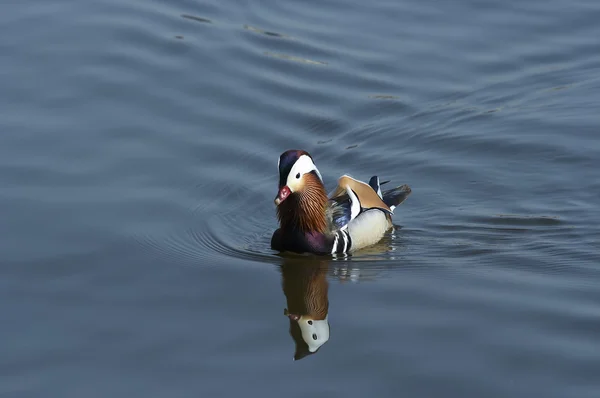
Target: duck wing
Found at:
x=339, y=212
x=351, y=197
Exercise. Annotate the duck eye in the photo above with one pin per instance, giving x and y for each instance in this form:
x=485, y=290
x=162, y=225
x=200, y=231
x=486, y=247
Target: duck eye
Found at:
x=314, y=336
x=298, y=175
x=310, y=322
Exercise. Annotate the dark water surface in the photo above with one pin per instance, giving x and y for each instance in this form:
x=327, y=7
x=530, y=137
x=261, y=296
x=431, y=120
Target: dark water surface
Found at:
x=138, y=166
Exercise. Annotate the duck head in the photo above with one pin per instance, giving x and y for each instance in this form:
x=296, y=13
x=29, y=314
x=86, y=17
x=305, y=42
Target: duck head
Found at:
x=301, y=197
x=297, y=170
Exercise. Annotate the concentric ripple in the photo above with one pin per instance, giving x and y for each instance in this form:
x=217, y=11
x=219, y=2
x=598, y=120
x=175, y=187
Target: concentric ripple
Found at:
x=227, y=236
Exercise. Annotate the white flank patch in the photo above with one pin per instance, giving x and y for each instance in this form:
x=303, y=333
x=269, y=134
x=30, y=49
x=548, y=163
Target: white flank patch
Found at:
x=368, y=228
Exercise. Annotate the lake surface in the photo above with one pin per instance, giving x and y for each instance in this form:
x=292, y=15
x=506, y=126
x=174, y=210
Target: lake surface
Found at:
x=138, y=168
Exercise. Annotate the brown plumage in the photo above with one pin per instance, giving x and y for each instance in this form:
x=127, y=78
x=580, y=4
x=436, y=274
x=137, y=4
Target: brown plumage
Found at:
x=304, y=209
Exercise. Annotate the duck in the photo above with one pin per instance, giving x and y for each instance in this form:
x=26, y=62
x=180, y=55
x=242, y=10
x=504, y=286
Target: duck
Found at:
x=355, y=215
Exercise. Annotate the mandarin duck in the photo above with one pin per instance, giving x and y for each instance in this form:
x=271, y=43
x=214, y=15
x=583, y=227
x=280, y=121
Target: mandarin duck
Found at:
x=306, y=291
x=353, y=216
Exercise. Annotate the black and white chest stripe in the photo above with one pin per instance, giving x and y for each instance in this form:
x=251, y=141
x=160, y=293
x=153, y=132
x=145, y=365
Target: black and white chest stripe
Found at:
x=342, y=242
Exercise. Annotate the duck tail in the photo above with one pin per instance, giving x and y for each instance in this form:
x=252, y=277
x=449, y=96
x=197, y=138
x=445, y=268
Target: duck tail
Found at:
x=396, y=196
x=392, y=197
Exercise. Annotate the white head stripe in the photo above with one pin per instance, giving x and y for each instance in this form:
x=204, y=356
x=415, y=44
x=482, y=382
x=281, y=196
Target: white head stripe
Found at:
x=303, y=165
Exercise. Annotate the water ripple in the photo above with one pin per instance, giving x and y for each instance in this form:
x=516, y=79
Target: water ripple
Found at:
x=228, y=236
x=264, y=32
x=294, y=58
x=195, y=18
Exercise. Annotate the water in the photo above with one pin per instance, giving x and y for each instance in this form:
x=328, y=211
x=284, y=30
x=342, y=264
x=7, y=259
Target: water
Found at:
x=138, y=166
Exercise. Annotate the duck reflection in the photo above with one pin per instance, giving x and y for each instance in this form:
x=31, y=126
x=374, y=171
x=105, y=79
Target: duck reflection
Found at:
x=305, y=286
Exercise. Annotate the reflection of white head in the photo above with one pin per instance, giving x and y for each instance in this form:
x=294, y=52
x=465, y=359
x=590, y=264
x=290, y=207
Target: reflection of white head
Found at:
x=314, y=332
